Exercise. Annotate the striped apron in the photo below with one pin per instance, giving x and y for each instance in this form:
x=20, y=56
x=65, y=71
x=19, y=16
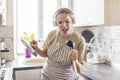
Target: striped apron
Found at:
x=58, y=65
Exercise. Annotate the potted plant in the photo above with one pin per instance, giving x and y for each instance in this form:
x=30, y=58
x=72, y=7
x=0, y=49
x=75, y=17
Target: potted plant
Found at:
x=27, y=37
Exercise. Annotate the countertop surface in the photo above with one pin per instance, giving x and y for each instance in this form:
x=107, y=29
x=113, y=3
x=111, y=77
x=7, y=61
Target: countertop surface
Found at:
x=101, y=71
x=19, y=63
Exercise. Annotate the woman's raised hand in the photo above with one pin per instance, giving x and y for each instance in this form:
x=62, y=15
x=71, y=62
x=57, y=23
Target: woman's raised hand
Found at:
x=34, y=44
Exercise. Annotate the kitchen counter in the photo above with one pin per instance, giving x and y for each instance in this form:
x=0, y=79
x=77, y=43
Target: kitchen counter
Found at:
x=101, y=71
x=21, y=68
x=89, y=71
x=17, y=65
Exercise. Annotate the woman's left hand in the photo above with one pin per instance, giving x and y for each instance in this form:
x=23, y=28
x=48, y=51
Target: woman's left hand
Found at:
x=73, y=54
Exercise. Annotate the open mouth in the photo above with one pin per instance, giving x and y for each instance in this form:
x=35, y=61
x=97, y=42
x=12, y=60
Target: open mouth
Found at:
x=65, y=31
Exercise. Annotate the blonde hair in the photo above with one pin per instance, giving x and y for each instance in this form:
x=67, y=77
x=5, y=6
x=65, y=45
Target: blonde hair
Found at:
x=63, y=10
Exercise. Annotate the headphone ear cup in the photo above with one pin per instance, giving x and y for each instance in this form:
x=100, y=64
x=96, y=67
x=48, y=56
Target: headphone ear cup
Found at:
x=73, y=20
x=54, y=23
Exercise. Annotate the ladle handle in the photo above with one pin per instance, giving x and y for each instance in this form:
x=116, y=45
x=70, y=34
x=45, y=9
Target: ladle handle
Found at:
x=75, y=67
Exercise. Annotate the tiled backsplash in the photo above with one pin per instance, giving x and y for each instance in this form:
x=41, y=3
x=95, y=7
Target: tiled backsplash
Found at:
x=6, y=33
x=108, y=41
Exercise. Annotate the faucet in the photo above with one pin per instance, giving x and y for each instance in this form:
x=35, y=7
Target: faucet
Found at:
x=94, y=43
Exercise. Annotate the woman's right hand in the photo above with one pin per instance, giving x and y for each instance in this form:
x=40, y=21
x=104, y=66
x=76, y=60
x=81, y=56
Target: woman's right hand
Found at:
x=34, y=44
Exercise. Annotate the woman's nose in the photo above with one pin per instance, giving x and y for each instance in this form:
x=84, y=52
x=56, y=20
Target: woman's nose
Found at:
x=64, y=24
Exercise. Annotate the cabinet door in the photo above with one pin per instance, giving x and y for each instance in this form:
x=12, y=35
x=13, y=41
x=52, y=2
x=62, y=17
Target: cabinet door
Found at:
x=88, y=12
x=30, y=74
x=112, y=12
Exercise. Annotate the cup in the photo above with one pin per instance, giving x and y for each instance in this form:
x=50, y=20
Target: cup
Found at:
x=27, y=52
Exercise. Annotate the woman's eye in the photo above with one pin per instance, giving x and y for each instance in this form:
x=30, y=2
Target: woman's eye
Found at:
x=60, y=22
x=67, y=21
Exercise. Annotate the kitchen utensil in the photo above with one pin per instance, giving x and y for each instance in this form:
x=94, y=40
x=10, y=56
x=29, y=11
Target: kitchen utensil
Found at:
x=34, y=52
x=72, y=44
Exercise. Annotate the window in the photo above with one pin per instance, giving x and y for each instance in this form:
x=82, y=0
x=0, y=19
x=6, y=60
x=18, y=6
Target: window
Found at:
x=48, y=12
x=34, y=16
x=26, y=19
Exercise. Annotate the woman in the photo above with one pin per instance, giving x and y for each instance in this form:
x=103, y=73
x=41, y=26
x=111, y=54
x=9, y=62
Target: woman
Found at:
x=60, y=57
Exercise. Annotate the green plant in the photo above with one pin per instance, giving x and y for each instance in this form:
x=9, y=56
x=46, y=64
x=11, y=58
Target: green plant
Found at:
x=28, y=36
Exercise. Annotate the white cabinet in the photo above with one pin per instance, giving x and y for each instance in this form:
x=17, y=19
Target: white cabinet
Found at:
x=28, y=74
x=88, y=12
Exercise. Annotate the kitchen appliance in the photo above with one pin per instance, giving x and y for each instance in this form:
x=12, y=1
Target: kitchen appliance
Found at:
x=34, y=52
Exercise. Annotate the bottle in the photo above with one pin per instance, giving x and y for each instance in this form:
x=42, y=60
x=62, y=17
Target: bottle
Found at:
x=90, y=56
